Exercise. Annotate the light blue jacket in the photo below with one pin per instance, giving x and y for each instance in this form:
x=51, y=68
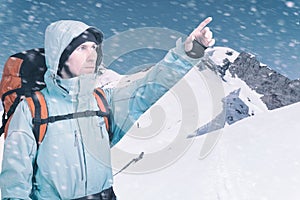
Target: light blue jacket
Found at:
x=74, y=158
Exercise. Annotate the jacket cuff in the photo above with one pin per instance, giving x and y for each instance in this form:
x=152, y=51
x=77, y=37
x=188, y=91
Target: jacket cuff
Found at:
x=197, y=51
x=179, y=53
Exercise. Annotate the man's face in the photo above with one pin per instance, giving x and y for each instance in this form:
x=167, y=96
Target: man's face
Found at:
x=81, y=61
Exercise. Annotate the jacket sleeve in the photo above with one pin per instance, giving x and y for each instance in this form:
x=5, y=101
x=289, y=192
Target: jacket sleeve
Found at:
x=134, y=95
x=18, y=156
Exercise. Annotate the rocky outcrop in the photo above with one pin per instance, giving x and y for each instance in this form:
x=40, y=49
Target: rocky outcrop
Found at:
x=234, y=109
x=277, y=90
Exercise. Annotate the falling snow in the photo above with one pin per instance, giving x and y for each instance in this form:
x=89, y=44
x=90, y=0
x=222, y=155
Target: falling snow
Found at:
x=267, y=29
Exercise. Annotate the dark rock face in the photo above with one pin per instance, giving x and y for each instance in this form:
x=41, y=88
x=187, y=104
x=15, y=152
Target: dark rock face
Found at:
x=277, y=90
x=234, y=109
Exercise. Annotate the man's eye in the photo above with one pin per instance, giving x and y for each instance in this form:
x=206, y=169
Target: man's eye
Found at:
x=83, y=47
x=80, y=48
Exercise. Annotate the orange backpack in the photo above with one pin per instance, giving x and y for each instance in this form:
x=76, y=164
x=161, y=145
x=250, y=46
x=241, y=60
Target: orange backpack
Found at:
x=23, y=78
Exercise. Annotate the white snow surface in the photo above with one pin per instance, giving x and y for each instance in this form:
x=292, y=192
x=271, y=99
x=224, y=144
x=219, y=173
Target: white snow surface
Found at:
x=255, y=158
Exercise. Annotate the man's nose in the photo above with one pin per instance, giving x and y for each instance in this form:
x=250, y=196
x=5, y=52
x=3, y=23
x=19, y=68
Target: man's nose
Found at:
x=92, y=53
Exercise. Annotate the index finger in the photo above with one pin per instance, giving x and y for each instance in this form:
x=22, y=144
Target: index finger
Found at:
x=203, y=24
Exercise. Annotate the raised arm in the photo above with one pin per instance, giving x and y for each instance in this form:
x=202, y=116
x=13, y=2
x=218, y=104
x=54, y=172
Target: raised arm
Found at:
x=131, y=98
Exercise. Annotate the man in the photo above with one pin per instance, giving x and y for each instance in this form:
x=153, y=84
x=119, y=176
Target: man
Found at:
x=73, y=161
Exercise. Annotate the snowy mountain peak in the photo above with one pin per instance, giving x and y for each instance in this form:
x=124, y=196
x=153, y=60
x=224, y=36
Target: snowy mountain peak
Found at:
x=238, y=150
x=276, y=89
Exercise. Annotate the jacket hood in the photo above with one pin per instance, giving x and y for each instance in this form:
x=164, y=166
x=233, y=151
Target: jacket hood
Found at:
x=59, y=35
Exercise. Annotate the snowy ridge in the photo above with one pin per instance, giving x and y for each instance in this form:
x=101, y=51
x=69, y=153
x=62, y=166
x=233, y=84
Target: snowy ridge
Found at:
x=248, y=155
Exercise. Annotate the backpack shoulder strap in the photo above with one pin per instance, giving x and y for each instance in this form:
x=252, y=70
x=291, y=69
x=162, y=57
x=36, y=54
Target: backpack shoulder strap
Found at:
x=39, y=111
x=104, y=108
x=38, y=107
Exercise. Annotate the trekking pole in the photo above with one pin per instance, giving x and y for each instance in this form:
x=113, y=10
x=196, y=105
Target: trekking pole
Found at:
x=134, y=160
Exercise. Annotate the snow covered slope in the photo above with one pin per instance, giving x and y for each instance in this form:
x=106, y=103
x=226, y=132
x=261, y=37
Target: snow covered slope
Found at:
x=253, y=158
x=256, y=158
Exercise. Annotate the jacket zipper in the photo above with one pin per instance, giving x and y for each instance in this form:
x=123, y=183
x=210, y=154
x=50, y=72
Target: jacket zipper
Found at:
x=101, y=131
x=76, y=144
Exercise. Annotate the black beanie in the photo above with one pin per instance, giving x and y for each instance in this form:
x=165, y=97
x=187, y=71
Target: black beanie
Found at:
x=87, y=36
